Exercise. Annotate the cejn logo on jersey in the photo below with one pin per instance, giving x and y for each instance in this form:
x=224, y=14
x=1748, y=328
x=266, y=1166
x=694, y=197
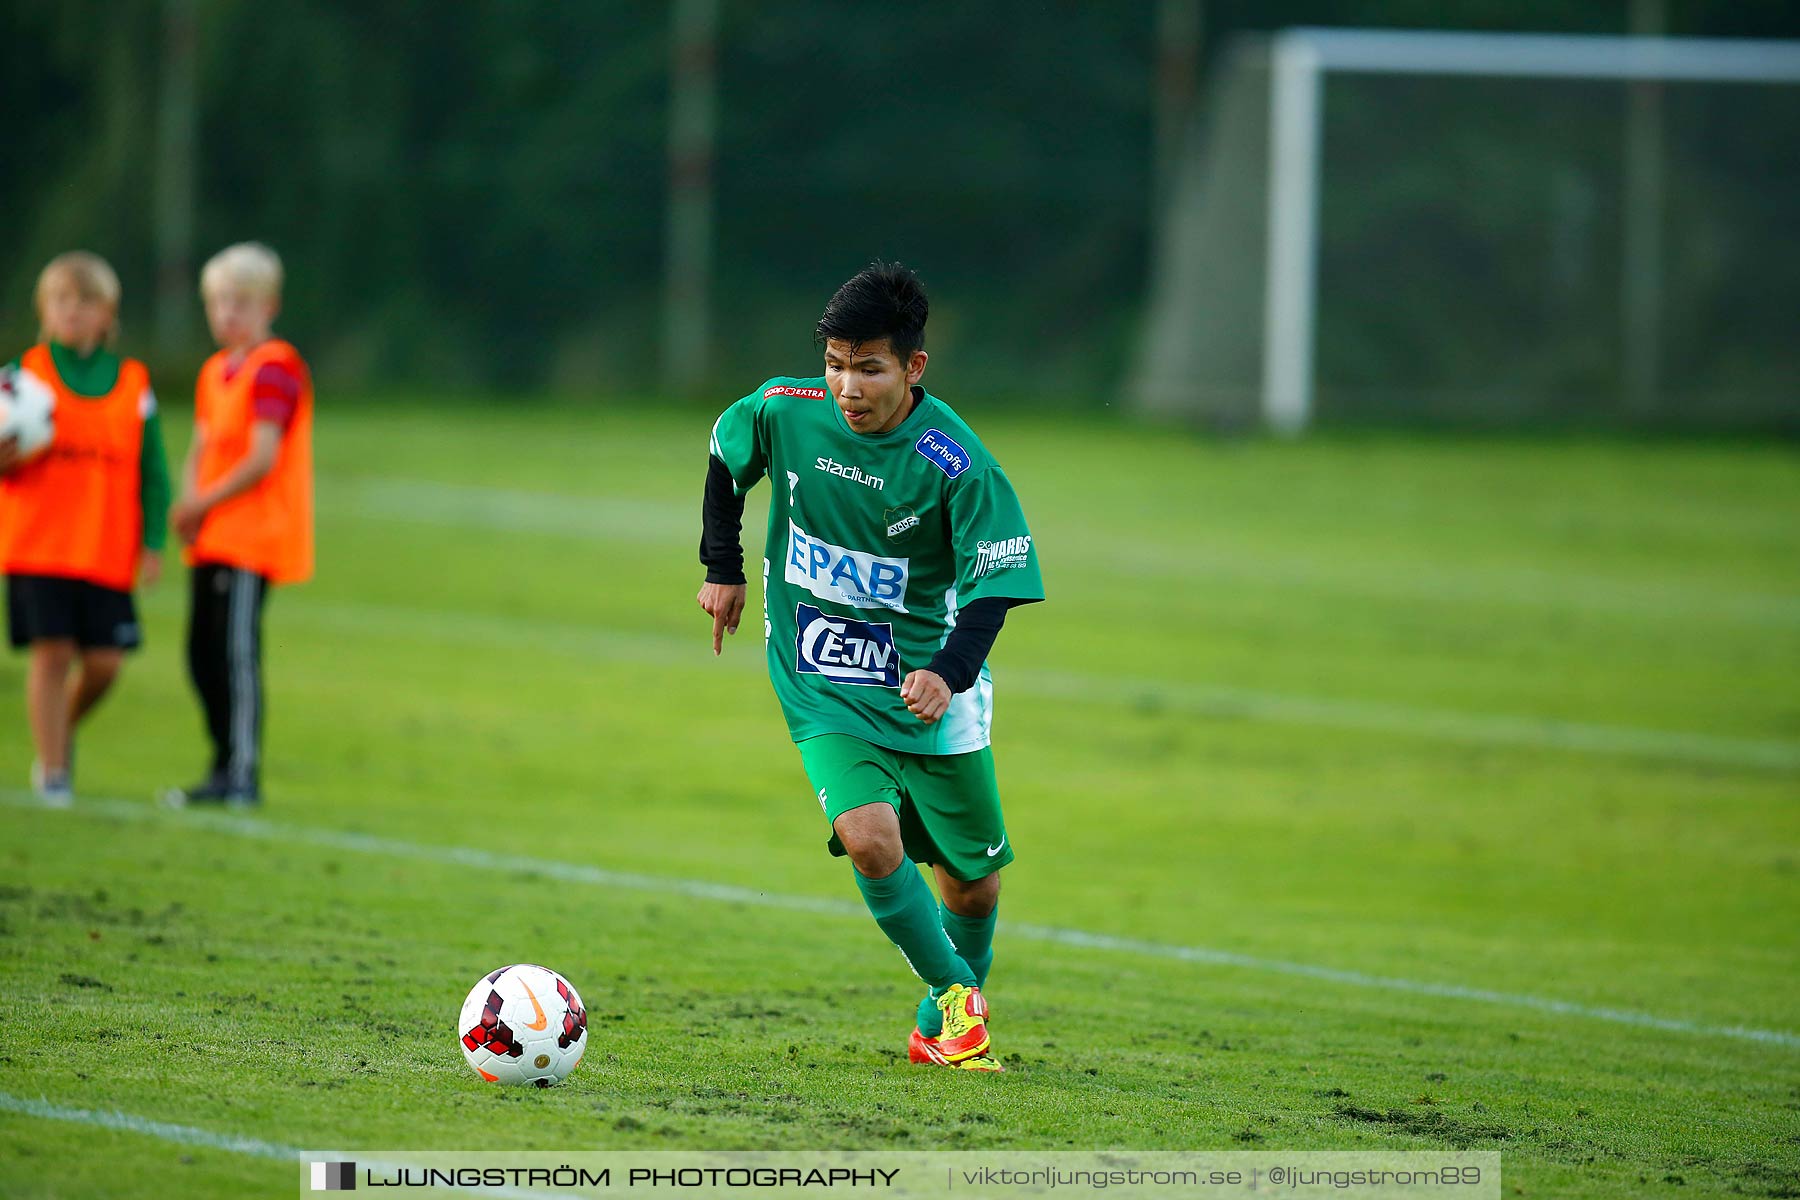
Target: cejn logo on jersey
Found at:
x=943, y=453
x=845, y=650
x=998, y=556
x=845, y=576
x=832, y=466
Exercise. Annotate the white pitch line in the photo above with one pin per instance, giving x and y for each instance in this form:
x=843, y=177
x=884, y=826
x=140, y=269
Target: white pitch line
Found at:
x=509, y=510
x=485, y=860
x=206, y=1139
x=1417, y=987
x=181, y=1135
x=1440, y=724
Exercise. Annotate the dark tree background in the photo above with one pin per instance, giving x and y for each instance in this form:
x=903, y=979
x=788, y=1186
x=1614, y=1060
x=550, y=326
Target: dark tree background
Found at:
x=471, y=195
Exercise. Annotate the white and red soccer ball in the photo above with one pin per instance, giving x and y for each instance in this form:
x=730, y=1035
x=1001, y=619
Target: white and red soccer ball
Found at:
x=523, y=1024
x=27, y=408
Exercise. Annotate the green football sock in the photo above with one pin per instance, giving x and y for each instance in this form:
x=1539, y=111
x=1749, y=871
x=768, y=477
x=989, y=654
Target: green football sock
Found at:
x=973, y=938
x=905, y=909
x=931, y=1017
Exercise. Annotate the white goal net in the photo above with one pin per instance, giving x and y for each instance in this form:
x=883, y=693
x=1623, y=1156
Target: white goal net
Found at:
x=1484, y=229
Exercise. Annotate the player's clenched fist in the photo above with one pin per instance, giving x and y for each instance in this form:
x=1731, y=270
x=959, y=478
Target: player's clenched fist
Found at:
x=926, y=695
x=724, y=603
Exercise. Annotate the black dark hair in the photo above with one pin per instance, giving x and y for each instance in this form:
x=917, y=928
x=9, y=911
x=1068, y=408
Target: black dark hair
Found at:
x=883, y=300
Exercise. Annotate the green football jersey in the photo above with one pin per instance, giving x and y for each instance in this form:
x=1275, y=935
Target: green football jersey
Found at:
x=875, y=542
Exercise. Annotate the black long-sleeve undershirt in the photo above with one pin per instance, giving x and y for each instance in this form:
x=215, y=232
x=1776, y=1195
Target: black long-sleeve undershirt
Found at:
x=977, y=625
x=958, y=663
x=721, y=525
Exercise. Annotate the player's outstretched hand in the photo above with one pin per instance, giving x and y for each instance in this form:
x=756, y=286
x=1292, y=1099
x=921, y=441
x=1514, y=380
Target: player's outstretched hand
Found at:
x=724, y=603
x=150, y=569
x=926, y=695
x=9, y=453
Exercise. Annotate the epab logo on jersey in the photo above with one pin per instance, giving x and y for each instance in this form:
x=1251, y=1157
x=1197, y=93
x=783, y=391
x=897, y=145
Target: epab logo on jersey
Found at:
x=845, y=650
x=943, y=453
x=844, y=576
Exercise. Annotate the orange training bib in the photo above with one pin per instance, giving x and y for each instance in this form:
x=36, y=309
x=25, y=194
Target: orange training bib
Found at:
x=268, y=529
x=76, y=510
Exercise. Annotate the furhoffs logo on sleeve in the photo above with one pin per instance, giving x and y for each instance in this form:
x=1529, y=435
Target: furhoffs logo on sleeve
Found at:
x=334, y=1177
x=943, y=453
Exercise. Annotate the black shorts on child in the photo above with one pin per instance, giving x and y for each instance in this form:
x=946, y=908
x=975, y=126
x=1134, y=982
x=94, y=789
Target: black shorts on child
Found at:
x=50, y=606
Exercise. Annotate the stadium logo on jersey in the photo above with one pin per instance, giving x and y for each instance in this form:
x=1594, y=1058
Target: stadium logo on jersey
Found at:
x=900, y=523
x=803, y=393
x=998, y=556
x=845, y=576
x=943, y=453
x=845, y=650
x=832, y=466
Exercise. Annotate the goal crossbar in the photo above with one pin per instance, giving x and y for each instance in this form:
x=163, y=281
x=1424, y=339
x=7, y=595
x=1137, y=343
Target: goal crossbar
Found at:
x=1300, y=57
x=1574, y=56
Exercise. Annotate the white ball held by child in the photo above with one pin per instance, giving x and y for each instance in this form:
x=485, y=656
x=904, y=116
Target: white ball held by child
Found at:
x=27, y=411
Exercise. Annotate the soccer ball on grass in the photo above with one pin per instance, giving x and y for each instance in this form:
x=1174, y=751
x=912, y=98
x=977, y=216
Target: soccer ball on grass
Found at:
x=523, y=1024
x=27, y=411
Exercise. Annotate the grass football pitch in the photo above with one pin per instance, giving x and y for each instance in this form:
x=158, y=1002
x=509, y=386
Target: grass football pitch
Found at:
x=1371, y=792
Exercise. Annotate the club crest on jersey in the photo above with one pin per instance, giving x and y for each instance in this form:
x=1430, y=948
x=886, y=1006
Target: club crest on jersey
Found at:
x=843, y=576
x=845, y=650
x=943, y=453
x=900, y=523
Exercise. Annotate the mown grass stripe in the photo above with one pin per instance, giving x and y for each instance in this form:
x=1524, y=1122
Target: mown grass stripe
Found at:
x=644, y=521
x=1215, y=701
x=238, y=825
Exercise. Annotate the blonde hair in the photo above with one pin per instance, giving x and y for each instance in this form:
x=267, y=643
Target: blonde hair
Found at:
x=250, y=265
x=92, y=277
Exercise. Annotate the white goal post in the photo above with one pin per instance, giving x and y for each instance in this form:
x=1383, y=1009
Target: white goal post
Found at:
x=1298, y=63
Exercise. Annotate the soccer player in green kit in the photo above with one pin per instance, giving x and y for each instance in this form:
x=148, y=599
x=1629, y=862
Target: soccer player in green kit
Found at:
x=895, y=547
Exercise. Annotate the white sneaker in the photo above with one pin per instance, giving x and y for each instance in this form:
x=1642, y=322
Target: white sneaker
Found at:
x=51, y=787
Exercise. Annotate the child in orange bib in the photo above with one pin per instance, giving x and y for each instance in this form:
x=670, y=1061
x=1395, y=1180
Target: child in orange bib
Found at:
x=245, y=511
x=82, y=519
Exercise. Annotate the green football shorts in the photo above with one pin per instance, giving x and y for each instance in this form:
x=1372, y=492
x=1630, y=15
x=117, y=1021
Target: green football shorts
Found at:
x=949, y=804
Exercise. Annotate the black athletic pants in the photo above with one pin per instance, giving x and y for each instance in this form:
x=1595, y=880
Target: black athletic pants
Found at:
x=225, y=663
